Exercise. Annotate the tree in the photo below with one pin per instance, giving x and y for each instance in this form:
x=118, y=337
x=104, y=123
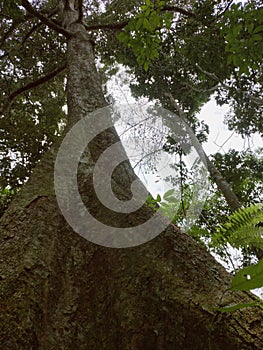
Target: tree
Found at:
x=182, y=79
x=57, y=289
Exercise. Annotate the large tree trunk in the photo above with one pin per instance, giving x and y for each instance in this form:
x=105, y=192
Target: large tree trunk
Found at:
x=59, y=291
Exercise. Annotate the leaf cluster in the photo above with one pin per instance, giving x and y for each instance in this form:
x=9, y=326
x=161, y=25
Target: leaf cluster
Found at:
x=243, y=31
x=143, y=32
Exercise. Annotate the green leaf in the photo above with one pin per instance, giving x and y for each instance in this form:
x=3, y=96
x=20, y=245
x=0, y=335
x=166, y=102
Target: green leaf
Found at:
x=250, y=28
x=237, y=29
x=139, y=23
x=123, y=37
x=158, y=198
x=168, y=193
x=250, y=277
x=237, y=306
x=147, y=25
x=257, y=37
x=258, y=29
x=171, y=199
x=229, y=59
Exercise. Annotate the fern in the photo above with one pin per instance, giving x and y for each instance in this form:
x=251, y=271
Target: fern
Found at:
x=242, y=230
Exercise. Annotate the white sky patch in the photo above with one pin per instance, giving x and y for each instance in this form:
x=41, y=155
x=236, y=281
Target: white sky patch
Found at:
x=220, y=138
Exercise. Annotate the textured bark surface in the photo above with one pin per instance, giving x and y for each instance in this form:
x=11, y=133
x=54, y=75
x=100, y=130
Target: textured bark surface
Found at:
x=58, y=291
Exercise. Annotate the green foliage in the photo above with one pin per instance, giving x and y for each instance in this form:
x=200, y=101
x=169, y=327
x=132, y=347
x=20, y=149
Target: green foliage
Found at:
x=169, y=204
x=248, y=278
x=173, y=204
x=143, y=35
x=6, y=196
x=235, y=307
x=12, y=8
x=247, y=182
x=243, y=31
x=241, y=230
x=31, y=123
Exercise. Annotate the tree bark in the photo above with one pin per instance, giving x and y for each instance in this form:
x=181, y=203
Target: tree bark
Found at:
x=59, y=291
x=223, y=186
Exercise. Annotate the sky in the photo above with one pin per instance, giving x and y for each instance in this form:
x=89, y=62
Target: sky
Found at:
x=220, y=139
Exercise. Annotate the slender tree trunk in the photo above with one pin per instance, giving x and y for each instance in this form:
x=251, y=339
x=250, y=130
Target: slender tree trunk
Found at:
x=59, y=291
x=230, y=197
x=223, y=186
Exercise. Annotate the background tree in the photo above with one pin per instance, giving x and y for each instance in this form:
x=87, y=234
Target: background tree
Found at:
x=182, y=78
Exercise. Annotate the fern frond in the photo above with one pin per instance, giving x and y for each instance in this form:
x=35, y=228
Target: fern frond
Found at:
x=241, y=229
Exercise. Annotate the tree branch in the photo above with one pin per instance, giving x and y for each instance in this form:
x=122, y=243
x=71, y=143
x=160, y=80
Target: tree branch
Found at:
x=16, y=23
x=113, y=26
x=178, y=10
x=224, y=11
x=45, y=20
x=30, y=86
x=80, y=9
x=121, y=25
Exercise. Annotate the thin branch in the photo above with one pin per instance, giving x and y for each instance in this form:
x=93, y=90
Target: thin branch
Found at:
x=45, y=20
x=8, y=32
x=34, y=28
x=121, y=25
x=80, y=9
x=16, y=23
x=178, y=10
x=30, y=86
x=112, y=26
x=221, y=147
x=227, y=7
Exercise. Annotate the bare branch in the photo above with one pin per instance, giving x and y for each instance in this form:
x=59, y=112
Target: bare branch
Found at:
x=227, y=7
x=178, y=10
x=45, y=20
x=30, y=86
x=112, y=26
x=80, y=9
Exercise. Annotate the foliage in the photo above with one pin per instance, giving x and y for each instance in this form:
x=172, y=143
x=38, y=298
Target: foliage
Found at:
x=243, y=30
x=143, y=32
x=248, y=278
x=30, y=120
x=241, y=230
x=235, y=307
x=243, y=170
x=171, y=205
x=183, y=69
x=6, y=196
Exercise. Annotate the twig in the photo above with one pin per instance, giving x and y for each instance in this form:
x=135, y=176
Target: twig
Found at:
x=45, y=20
x=80, y=9
x=30, y=86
